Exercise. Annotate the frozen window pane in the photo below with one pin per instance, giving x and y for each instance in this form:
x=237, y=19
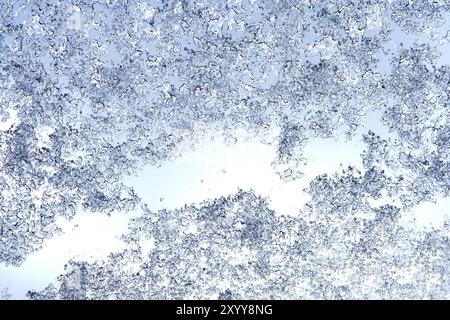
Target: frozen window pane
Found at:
x=327, y=132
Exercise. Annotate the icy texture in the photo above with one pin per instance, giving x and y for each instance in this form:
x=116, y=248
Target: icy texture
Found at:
x=91, y=92
x=236, y=248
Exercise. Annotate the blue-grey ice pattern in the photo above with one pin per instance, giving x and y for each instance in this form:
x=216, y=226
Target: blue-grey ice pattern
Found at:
x=93, y=91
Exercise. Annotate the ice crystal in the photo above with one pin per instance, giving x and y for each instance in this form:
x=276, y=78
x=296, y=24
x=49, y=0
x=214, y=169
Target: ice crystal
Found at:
x=235, y=247
x=91, y=92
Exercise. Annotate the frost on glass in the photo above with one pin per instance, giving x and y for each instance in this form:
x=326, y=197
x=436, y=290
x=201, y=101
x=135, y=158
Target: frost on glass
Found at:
x=92, y=92
x=235, y=247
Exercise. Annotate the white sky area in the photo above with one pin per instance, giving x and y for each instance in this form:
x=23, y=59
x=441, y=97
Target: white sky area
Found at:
x=212, y=170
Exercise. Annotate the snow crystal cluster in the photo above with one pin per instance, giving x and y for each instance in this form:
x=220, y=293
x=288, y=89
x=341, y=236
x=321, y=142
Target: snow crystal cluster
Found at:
x=236, y=247
x=91, y=91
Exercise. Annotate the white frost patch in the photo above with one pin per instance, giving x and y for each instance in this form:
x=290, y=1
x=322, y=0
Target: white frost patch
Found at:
x=147, y=246
x=430, y=214
x=374, y=18
x=148, y=11
x=43, y=135
x=191, y=228
x=74, y=21
x=11, y=121
x=239, y=256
